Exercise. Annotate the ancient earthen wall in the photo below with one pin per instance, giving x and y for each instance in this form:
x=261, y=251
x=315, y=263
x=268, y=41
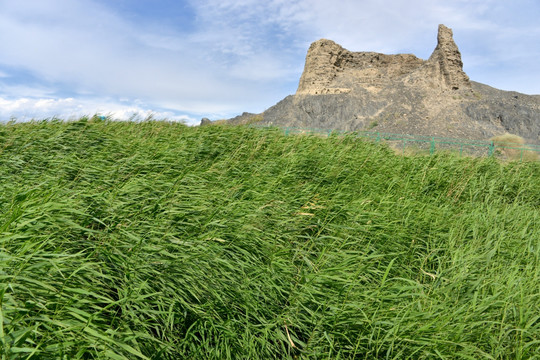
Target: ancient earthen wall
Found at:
x=331, y=69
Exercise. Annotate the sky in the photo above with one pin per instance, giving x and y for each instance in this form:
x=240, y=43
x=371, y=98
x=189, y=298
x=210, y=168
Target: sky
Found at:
x=182, y=60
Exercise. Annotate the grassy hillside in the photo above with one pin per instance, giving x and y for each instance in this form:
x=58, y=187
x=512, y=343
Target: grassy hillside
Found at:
x=159, y=241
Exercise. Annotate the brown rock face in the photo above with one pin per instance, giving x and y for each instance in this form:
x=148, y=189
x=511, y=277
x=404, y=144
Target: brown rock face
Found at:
x=331, y=69
x=324, y=61
x=446, y=61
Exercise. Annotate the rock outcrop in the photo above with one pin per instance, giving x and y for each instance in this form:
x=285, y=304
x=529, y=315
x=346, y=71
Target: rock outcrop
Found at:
x=331, y=69
x=444, y=68
x=205, y=121
x=357, y=91
x=446, y=60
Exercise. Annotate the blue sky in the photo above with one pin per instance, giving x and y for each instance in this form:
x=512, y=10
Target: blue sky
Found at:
x=187, y=59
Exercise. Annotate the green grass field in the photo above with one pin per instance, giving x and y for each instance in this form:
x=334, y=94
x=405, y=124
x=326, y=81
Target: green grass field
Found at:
x=155, y=240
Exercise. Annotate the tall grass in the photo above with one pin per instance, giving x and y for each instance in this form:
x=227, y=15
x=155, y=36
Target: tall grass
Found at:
x=154, y=240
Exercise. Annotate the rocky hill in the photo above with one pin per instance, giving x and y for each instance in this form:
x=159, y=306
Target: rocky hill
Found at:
x=355, y=91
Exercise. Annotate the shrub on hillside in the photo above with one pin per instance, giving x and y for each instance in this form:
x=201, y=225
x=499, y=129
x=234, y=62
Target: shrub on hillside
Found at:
x=513, y=147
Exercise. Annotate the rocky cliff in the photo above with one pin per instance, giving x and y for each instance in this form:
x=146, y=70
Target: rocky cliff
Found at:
x=355, y=91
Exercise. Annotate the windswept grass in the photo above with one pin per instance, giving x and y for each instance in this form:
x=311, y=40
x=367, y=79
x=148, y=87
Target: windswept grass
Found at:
x=154, y=240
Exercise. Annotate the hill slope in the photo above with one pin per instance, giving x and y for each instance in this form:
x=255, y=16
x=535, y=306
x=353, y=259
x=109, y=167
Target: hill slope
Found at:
x=156, y=240
x=345, y=90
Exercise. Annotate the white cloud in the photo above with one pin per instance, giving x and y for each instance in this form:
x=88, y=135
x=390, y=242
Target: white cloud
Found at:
x=97, y=52
x=89, y=49
x=24, y=109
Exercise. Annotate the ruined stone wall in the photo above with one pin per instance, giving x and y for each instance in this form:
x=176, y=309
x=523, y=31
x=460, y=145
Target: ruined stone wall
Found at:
x=331, y=69
x=447, y=59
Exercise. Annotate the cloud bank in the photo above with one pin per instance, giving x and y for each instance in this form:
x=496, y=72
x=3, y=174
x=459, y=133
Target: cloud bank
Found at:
x=25, y=109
